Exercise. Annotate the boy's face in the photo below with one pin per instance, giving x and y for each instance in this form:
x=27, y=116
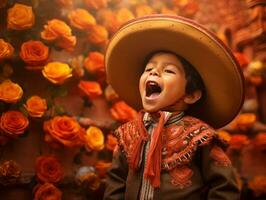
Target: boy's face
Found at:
x=162, y=83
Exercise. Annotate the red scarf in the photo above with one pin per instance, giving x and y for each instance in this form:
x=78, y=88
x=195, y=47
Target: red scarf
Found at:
x=152, y=169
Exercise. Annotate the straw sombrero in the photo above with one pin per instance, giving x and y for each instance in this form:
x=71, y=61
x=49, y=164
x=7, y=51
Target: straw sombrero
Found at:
x=127, y=50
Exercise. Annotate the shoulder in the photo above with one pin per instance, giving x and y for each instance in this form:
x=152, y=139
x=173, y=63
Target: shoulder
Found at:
x=126, y=135
x=183, y=139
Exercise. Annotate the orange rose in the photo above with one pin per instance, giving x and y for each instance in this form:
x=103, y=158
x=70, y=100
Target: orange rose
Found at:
x=58, y=31
x=81, y=19
x=98, y=35
x=95, y=4
x=13, y=123
x=143, y=9
x=34, y=53
x=47, y=191
x=101, y=167
x=94, y=139
x=124, y=15
x=20, y=17
x=48, y=169
x=242, y=59
x=111, y=142
x=65, y=130
x=36, y=106
x=258, y=185
x=94, y=63
x=238, y=141
x=57, y=72
x=244, y=121
x=122, y=112
x=90, y=88
x=10, y=92
x=108, y=19
x=6, y=50
x=224, y=135
x=260, y=141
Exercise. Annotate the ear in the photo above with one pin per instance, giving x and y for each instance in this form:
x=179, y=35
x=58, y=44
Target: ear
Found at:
x=193, y=97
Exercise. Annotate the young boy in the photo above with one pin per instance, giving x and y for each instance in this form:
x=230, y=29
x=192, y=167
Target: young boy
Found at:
x=174, y=69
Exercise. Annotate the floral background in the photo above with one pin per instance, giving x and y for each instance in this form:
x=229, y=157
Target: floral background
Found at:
x=58, y=111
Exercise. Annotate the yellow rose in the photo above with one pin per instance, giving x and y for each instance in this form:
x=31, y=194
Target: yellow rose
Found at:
x=10, y=92
x=57, y=72
x=20, y=17
x=6, y=50
x=81, y=19
x=36, y=106
x=94, y=138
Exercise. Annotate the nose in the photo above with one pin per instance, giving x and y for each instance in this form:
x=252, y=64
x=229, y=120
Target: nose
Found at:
x=154, y=72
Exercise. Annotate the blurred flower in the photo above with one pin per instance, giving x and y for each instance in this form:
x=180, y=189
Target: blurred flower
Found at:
x=111, y=142
x=244, y=121
x=58, y=31
x=3, y=3
x=110, y=94
x=77, y=66
x=238, y=141
x=98, y=35
x=65, y=2
x=258, y=185
x=91, y=89
x=13, y=123
x=168, y=11
x=65, y=130
x=256, y=67
x=10, y=92
x=34, y=53
x=94, y=138
x=242, y=59
x=47, y=191
x=48, y=169
x=190, y=9
x=81, y=19
x=143, y=9
x=57, y=72
x=20, y=17
x=10, y=170
x=94, y=63
x=6, y=50
x=123, y=15
x=95, y=4
x=108, y=19
x=36, y=106
x=123, y=112
x=260, y=141
x=87, y=178
x=101, y=167
x=224, y=135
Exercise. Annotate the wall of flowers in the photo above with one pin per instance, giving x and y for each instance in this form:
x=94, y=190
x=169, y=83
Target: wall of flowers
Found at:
x=58, y=111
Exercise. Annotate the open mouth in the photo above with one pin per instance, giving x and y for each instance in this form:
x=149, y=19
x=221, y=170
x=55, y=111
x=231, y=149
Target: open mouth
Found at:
x=152, y=89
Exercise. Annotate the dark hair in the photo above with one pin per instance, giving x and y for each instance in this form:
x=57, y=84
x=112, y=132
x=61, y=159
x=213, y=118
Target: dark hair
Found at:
x=194, y=80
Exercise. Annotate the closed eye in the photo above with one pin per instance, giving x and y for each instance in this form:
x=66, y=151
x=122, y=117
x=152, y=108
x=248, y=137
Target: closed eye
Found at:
x=169, y=71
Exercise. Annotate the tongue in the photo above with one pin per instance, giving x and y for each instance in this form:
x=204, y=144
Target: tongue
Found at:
x=154, y=95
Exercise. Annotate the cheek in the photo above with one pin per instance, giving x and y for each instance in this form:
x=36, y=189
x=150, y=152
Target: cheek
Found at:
x=142, y=83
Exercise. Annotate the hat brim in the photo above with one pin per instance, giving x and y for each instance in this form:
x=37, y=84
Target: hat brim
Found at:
x=222, y=77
